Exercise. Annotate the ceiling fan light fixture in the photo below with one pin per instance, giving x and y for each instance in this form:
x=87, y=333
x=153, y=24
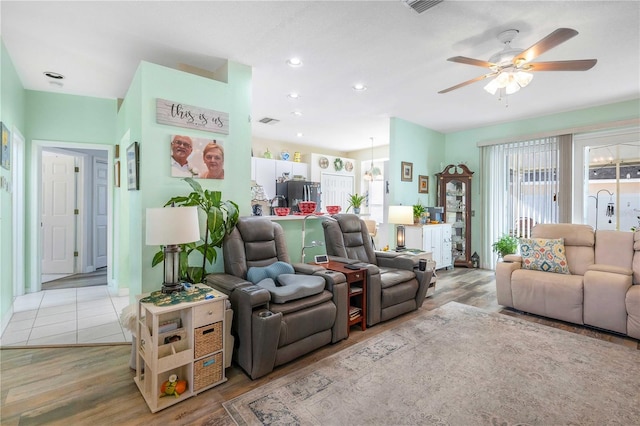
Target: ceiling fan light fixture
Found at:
x=492, y=86
x=512, y=87
x=523, y=78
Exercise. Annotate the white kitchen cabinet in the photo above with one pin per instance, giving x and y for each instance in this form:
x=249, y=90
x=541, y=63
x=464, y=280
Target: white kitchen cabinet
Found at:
x=432, y=238
x=266, y=172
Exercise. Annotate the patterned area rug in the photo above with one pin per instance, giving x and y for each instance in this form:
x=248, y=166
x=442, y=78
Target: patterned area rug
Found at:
x=457, y=365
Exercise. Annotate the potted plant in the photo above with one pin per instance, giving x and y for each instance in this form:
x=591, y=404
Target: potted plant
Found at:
x=418, y=210
x=355, y=201
x=221, y=217
x=507, y=244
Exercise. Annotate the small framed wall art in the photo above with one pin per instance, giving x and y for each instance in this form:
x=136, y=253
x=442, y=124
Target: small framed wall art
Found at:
x=133, y=166
x=5, y=148
x=423, y=184
x=407, y=172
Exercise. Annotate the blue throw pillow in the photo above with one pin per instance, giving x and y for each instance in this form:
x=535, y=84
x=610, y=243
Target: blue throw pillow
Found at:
x=255, y=274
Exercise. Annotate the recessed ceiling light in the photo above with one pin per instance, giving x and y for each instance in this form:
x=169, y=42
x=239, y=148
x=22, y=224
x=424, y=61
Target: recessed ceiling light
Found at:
x=294, y=62
x=359, y=87
x=294, y=95
x=299, y=134
x=54, y=75
x=296, y=113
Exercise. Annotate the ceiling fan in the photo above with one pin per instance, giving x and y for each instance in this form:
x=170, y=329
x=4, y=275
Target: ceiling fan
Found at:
x=512, y=67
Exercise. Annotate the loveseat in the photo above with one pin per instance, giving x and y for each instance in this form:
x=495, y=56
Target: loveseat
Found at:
x=597, y=284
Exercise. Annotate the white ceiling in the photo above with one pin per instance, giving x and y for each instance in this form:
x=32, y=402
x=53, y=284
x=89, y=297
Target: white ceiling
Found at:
x=399, y=54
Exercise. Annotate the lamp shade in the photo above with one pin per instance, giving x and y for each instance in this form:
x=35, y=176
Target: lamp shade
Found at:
x=401, y=215
x=172, y=225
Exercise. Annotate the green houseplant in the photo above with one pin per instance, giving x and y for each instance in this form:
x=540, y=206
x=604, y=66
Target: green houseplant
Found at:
x=355, y=201
x=507, y=244
x=418, y=210
x=221, y=217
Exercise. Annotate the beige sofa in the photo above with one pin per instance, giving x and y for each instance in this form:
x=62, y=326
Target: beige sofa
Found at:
x=602, y=289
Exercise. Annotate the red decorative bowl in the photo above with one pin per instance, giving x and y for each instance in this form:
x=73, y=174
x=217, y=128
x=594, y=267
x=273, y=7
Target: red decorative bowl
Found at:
x=333, y=209
x=307, y=207
x=282, y=211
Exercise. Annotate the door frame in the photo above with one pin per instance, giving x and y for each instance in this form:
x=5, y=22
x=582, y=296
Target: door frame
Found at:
x=35, y=200
x=18, y=199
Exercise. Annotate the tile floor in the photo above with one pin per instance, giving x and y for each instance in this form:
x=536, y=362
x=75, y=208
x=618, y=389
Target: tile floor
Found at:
x=66, y=316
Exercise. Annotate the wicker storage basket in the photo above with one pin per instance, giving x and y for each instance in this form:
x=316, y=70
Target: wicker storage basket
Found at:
x=207, y=371
x=208, y=339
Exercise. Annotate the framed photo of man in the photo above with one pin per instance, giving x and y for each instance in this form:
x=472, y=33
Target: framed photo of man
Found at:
x=197, y=158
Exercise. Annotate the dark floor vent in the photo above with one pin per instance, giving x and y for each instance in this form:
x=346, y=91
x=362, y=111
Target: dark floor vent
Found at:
x=421, y=5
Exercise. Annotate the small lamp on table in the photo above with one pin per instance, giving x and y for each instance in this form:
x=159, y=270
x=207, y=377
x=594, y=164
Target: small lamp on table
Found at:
x=169, y=227
x=400, y=215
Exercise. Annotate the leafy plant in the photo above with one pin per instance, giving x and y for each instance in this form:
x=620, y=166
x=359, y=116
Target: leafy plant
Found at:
x=418, y=209
x=221, y=217
x=355, y=201
x=507, y=244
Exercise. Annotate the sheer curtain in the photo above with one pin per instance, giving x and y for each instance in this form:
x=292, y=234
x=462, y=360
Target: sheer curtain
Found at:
x=522, y=186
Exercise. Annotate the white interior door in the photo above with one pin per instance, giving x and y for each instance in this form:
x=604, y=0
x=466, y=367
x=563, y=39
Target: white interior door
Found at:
x=336, y=189
x=101, y=219
x=58, y=220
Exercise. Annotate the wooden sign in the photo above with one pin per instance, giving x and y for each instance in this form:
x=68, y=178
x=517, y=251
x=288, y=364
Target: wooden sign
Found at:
x=191, y=117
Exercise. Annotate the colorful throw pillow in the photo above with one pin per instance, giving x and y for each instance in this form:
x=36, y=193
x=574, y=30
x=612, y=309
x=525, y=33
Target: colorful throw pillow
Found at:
x=256, y=274
x=546, y=255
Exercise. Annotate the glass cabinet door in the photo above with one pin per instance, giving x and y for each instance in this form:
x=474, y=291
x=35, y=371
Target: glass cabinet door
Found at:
x=454, y=184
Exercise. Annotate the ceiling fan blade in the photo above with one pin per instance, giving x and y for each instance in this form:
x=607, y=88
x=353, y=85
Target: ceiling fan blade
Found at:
x=473, y=80
x=471, y=61
x=577, y=65
x=549, y=42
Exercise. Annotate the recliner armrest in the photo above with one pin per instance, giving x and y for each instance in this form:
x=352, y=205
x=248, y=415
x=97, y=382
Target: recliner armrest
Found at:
x=395, y=260
x=344, y=260
x=609, y=268
x=226, y=283
x=305, y=268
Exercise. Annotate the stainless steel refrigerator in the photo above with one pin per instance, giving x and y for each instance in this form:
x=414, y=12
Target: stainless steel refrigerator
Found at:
x=295, y=191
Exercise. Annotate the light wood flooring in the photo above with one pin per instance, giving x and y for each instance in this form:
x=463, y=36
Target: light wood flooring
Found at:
x=94, y=385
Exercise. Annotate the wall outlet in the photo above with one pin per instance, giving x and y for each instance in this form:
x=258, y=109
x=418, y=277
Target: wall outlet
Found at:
x=473, y=213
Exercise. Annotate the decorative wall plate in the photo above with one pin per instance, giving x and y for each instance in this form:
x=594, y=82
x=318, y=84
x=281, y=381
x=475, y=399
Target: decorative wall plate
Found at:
x=323, y=162
x=337, y=164
x=348, y=166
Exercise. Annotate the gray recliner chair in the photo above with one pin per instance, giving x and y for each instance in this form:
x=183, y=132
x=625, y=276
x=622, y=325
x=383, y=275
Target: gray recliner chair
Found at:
x=395, y=285
x=281, y=311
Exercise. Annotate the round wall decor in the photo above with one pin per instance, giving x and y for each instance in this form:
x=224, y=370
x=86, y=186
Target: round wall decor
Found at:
x=323, y=162
x=337, y=164
x=348, y=166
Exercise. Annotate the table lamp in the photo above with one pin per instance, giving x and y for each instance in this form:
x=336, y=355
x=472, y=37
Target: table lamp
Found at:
x=169, y=227
x=400, y=215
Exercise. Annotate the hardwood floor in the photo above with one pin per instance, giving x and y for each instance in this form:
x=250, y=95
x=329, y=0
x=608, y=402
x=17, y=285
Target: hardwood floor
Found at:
x=94, y=385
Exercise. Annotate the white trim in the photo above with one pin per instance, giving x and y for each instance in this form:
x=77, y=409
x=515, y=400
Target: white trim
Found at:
x=19, y=230
x=612, y=125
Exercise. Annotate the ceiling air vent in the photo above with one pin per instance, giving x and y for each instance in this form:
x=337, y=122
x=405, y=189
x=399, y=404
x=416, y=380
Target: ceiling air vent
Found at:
x=421, y=5
x=268, y=120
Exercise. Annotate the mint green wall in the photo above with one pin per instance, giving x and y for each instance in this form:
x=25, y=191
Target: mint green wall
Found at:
x=12, y=101
x=461, y=147
x=156, y=184
x=424, y=148
x=64, y=119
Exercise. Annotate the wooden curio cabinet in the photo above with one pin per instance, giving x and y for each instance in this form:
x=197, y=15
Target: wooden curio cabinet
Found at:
x=454, y=194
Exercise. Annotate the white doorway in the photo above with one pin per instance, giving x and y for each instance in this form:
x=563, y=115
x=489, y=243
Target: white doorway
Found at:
x=71, y=198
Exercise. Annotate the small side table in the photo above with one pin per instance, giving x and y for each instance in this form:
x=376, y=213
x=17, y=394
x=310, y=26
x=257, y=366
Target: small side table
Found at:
x=357, y=287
